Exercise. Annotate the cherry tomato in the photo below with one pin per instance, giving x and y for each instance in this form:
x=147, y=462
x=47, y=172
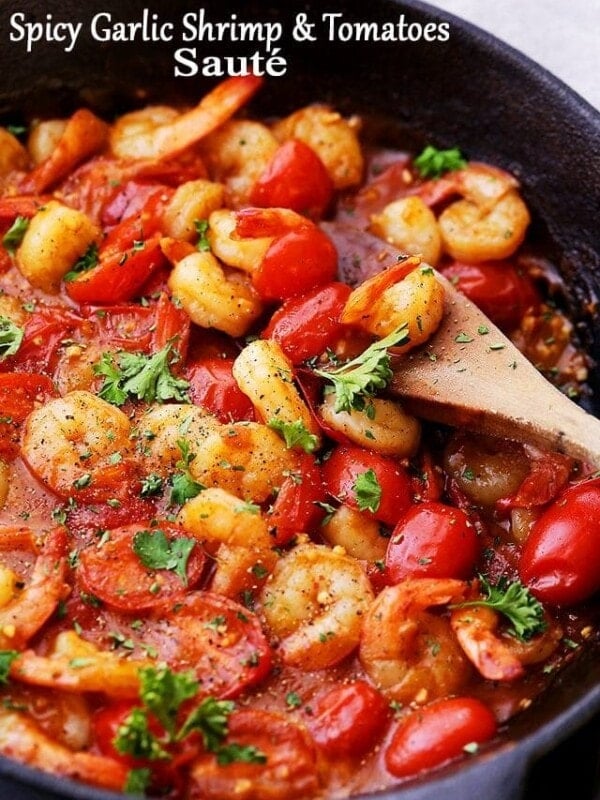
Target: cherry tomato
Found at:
x=287, y=768
x=437, y=733
x=432, y=540
x=125, y=326
x=548, y=476
x=106, y=722
x=294, y=509
x=348, y=720
x=45, y=330
x=127, y=202
x=296, y=262
x=213, y=387
x=560, y=561
x=296, y=178
x=20, y=206
x=19, y=392
x=172, y=326
x=114, y=572
x=497, y=288
x=307, y=325
x=392, y=487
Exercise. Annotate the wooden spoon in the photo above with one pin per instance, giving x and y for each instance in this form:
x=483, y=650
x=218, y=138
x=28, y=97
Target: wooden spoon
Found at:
x=470, y=374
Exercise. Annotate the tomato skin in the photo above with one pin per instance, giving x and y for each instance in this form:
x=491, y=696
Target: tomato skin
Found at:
x=348, y=719
x=560, y=561
x=115, y=574
x=437, y=733
x=296, y=178
x=19, y=392
x=432, y=540
x=106, y=722
x=305, y=326
x=497, y=288
x=341, y=470
x=296, y=262
x=294, y=509
x=213, y=387
x=45, y=330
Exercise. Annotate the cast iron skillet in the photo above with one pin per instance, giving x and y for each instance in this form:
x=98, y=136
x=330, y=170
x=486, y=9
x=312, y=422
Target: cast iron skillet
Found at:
x=472, y=91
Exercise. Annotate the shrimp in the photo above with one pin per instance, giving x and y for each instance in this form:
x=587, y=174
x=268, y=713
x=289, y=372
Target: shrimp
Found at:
x=69, y=442
x=74, y=665
x=496, y=657
x=148, y=135
x=23, y=615
x=410, y=226
x=237, y=535
x=359, y=534
x=83, y=135
x=315, y=602
x=333, y=139
x=236, y=155
x=192, y=201
x=408, y=652
x=13, y=155
x=491, y=219
x=230, y=248
x=23, y=740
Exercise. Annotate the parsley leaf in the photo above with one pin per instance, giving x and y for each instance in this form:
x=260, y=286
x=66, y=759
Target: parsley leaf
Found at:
x=210, y=718
x=152, y=485
x=14, y=235
x=147, y=378
x=295, y=434
x=183, y=485
x=137, y=781
x=135, y=738
x=88, y=260
x=249, y=754
x=517, y=604
x=155, y=551
x=11, y=337
x=201, y=228
x=367, y=491
x=163, y=692
x=6, y=659
x=432, y=163
x=365, y=374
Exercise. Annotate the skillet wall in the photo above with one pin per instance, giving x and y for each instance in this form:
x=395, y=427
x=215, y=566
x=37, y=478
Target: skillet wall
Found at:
x=468, y=91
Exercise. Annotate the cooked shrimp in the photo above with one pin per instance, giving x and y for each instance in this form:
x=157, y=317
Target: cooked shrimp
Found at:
x=358, y=533
x=74, y=665
x=410, y=226
x=83, y=135
x=68, y=442
x=407, y=293
x=192, y=201
x=408, y=652
x=230, y=248
x=315, y=602
x=153, y=137
x=497, y=657
x=13, y=155
x=236, y=155
x=23, y=615
x=23, y=740
x=333, y=139
x=236, y=534
x=44, y=138
x=490, y=221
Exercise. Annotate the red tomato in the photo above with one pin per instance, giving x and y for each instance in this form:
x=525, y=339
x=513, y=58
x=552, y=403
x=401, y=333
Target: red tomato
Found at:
x=294, y=509
x=432, y=540
x=436, y=733
x=172, y=325
x=45, y=330
x=19, y=206
x=296, y=178
x=106, y=722
x=348, y=720
x=497, y=288
x=126, y=326
x=19, y=392
x=307, y=325
x=289, y=769
x=114, y=573
x=346, y=464
x=128, y=201
x=548, y=476
x=295, y=263
x=560, y=561
x=213, y=387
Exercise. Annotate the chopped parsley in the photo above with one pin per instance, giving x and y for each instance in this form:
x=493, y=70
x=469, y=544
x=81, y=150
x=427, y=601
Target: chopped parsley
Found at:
x=201, y=228
x=367, y=491
x=433, y=163
x=137, y=781
x=86, y=262
x=14, y=235
x=248, y=753
x=133, y=375
x=6, y=659
x=152, y=485
x=366, y=374
x=183, y=485
x=155, y=551
x=295, y=434
x=11, y=337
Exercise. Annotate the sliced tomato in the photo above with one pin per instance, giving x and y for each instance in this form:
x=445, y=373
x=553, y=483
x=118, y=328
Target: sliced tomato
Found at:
x=295, y=508
x=213, y=387
x=549, y=475
x=437, y=733
x=129, y=199
x=19, y=394
x=84, y=520
x=428, y=480
x=305, y=326
x=498, y=288
x=125, y=326
x=432, y=540
x=172, y=325
x=114, y=572
x=45, y=330
x=20, y=206
x=285, y=767
x=392, y=486
x=218, y=638
x=296, y=178
x=348, y=720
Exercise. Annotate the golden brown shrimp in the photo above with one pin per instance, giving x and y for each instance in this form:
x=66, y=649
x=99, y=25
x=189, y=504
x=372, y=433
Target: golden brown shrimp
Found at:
x=497, y=657
x=23, y=615
x=411, y=226
x=410, y=653
x=134, y=137
x=315, y=602
x=23, y=740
